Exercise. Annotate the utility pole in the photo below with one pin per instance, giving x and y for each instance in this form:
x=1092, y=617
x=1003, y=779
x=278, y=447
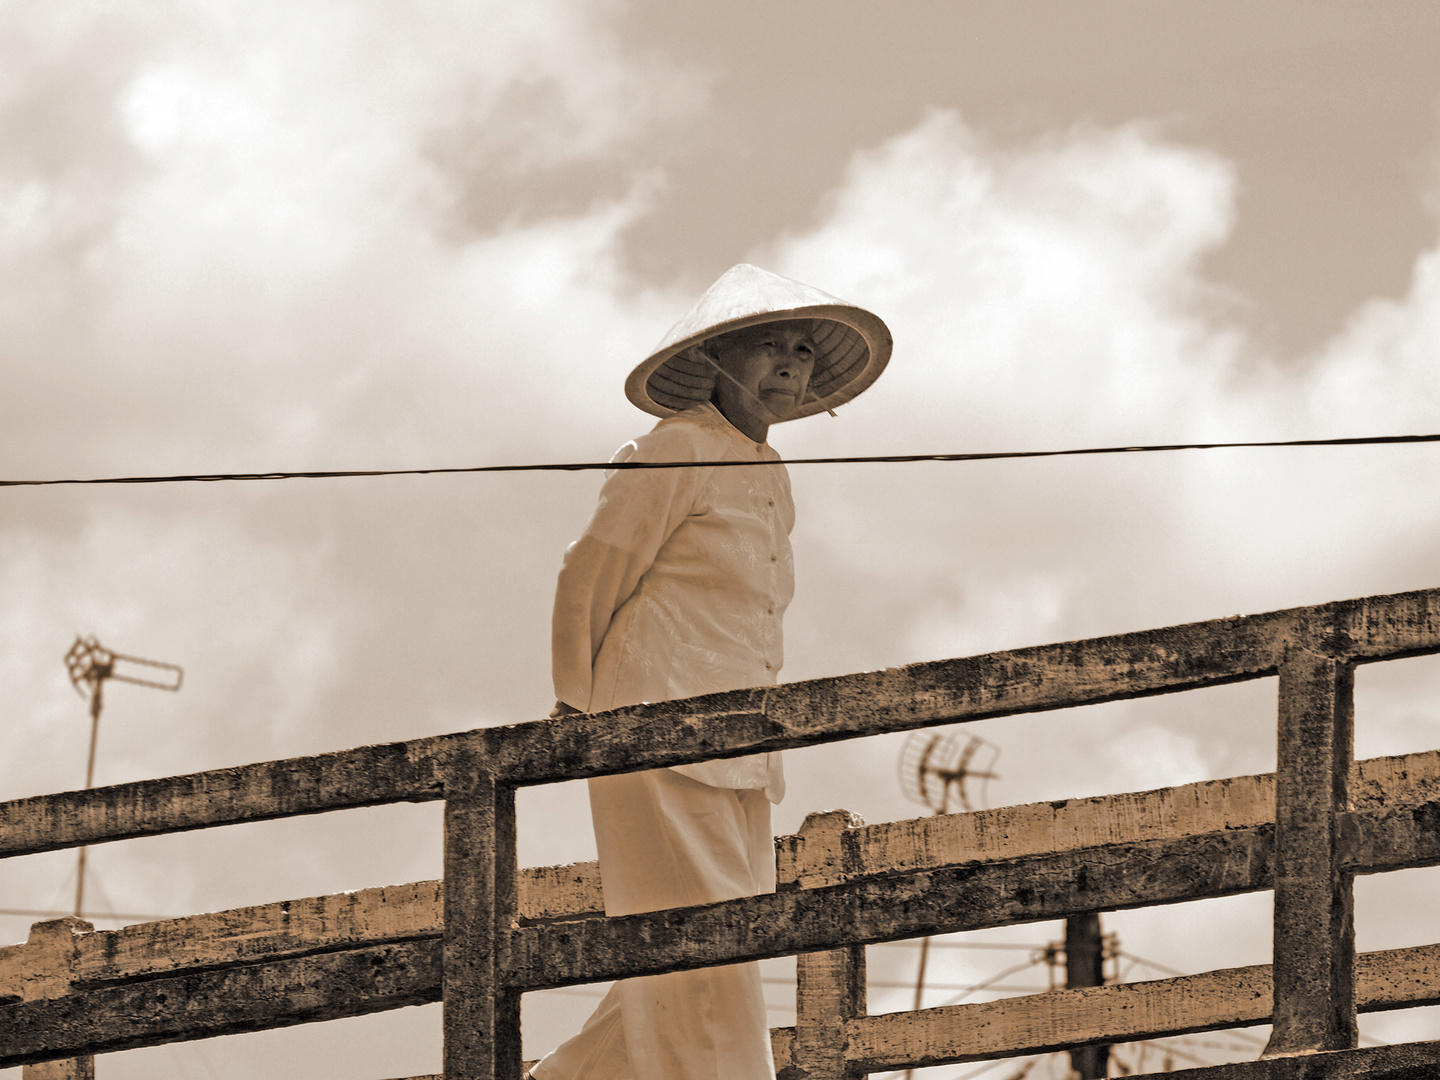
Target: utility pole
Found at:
x=1085, y=966
x=90, y=664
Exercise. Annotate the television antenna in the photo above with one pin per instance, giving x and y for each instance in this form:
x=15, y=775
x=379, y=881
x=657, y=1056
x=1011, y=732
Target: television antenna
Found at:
x=935, y=765
x=90, y=664
x=934, y=768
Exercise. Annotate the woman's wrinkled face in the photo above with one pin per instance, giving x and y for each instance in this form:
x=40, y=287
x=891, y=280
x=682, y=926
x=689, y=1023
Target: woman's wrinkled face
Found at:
x=769, y=367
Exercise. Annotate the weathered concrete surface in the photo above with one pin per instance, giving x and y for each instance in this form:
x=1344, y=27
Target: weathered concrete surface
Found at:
x=1394, y=835
x=1383, y=836
x=555, y=892
x=205, y=1004
x=947, y=883
x=741, y=722
x=1314, y=902
x=1404, y=780
x=70, y=1069
x=365, y=980
x=167, y=1010
x=829, y=986
x=967, y=897
x=368, y=776
x=53, y=950
x=481, y=1013
x=1411, y=1061
x=1127, y=1012
x=874, y=909
x=393, y=913
x=996, y=684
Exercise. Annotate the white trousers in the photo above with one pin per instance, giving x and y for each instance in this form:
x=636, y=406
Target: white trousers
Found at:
x=666, y=840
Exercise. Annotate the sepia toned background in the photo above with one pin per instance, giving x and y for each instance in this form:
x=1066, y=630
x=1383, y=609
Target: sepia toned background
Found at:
x=249, y=235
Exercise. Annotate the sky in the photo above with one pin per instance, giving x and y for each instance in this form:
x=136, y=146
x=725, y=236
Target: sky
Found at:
x=327, y=235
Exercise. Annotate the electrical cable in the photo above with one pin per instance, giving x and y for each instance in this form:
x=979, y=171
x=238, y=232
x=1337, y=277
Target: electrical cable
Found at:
x=1171, y=1048
x=583, y=466
x=972, y=1073
x=1024, y=1069
x=1163, y=969
x=939, y=943
x=953, y=999
x=895, y=984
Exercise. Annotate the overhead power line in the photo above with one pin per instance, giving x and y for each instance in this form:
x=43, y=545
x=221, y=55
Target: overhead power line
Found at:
x=874, y=459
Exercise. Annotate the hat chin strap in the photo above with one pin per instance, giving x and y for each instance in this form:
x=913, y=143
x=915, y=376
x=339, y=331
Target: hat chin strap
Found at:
x=696, y=349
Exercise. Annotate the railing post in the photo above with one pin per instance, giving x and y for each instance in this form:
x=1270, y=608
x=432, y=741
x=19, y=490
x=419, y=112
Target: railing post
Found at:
x=829, y=986
x=1314, y=969
x=482, y=1020
x=51, y=979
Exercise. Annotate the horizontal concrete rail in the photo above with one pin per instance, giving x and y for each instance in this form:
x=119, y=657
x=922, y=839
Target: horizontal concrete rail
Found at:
x=204, y=1004
x=741, y=722
x=869, y=910
x=1057, y=826
x=1410, y=1061
x=249, y=935
x=949, y=691
x=1394, y=787
x=362, y=981
x=1215, y=1000
x=368, y=776
x=1127, y=1012
x=336, y=956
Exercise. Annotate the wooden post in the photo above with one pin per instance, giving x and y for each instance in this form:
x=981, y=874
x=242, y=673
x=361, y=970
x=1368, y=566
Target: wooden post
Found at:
x=829, y=986
x=51, y=979
x=1314, y=903
x=1085, y=966
x=482, y=1020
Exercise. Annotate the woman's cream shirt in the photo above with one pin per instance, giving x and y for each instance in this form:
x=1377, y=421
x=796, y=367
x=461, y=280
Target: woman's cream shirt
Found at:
x=680, y=581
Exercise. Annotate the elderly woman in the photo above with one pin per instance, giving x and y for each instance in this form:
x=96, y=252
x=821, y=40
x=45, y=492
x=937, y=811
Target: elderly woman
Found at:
x=676, y=589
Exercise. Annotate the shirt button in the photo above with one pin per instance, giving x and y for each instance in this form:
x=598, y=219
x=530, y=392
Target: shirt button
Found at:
x=770, y=502
x=773, y=558
x=767, y=665
x=770, y=611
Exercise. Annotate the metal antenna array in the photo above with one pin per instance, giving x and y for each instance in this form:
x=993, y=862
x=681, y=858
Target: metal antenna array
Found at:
x=90, y=664
x=935, y=763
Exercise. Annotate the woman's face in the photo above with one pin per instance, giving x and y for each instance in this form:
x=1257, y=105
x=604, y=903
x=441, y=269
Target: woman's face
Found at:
x=769, y=367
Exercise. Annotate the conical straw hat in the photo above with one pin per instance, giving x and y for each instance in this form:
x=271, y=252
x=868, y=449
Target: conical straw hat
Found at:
x=852, y=344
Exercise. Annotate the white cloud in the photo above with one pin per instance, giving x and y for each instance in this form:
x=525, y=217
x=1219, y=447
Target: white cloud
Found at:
x=1051, y=290
x=1148, y=757
x=253, y=623
x=240, y=236
x=1048, y=296
x=281, y=241
x=1381, y=369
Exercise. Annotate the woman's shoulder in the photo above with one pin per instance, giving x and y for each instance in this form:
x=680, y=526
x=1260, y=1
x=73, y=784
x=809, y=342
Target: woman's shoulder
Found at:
x=691, y=435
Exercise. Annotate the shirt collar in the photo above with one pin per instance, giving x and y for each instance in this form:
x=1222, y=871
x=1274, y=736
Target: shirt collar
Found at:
x=707, y=414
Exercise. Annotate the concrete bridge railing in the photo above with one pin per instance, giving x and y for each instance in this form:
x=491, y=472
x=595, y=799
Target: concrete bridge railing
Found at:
x=491, y=931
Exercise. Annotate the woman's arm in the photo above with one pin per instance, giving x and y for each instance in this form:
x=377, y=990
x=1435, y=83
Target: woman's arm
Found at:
x=637, y=512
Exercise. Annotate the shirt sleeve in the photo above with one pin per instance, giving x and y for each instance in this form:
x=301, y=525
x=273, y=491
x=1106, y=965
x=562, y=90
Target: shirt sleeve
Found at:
x=637, y=512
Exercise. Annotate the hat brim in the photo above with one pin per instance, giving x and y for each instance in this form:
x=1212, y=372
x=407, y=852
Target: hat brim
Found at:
x=851, y=352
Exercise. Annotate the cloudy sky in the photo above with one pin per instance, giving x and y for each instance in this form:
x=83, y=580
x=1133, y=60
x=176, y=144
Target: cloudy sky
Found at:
x=328, y=234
